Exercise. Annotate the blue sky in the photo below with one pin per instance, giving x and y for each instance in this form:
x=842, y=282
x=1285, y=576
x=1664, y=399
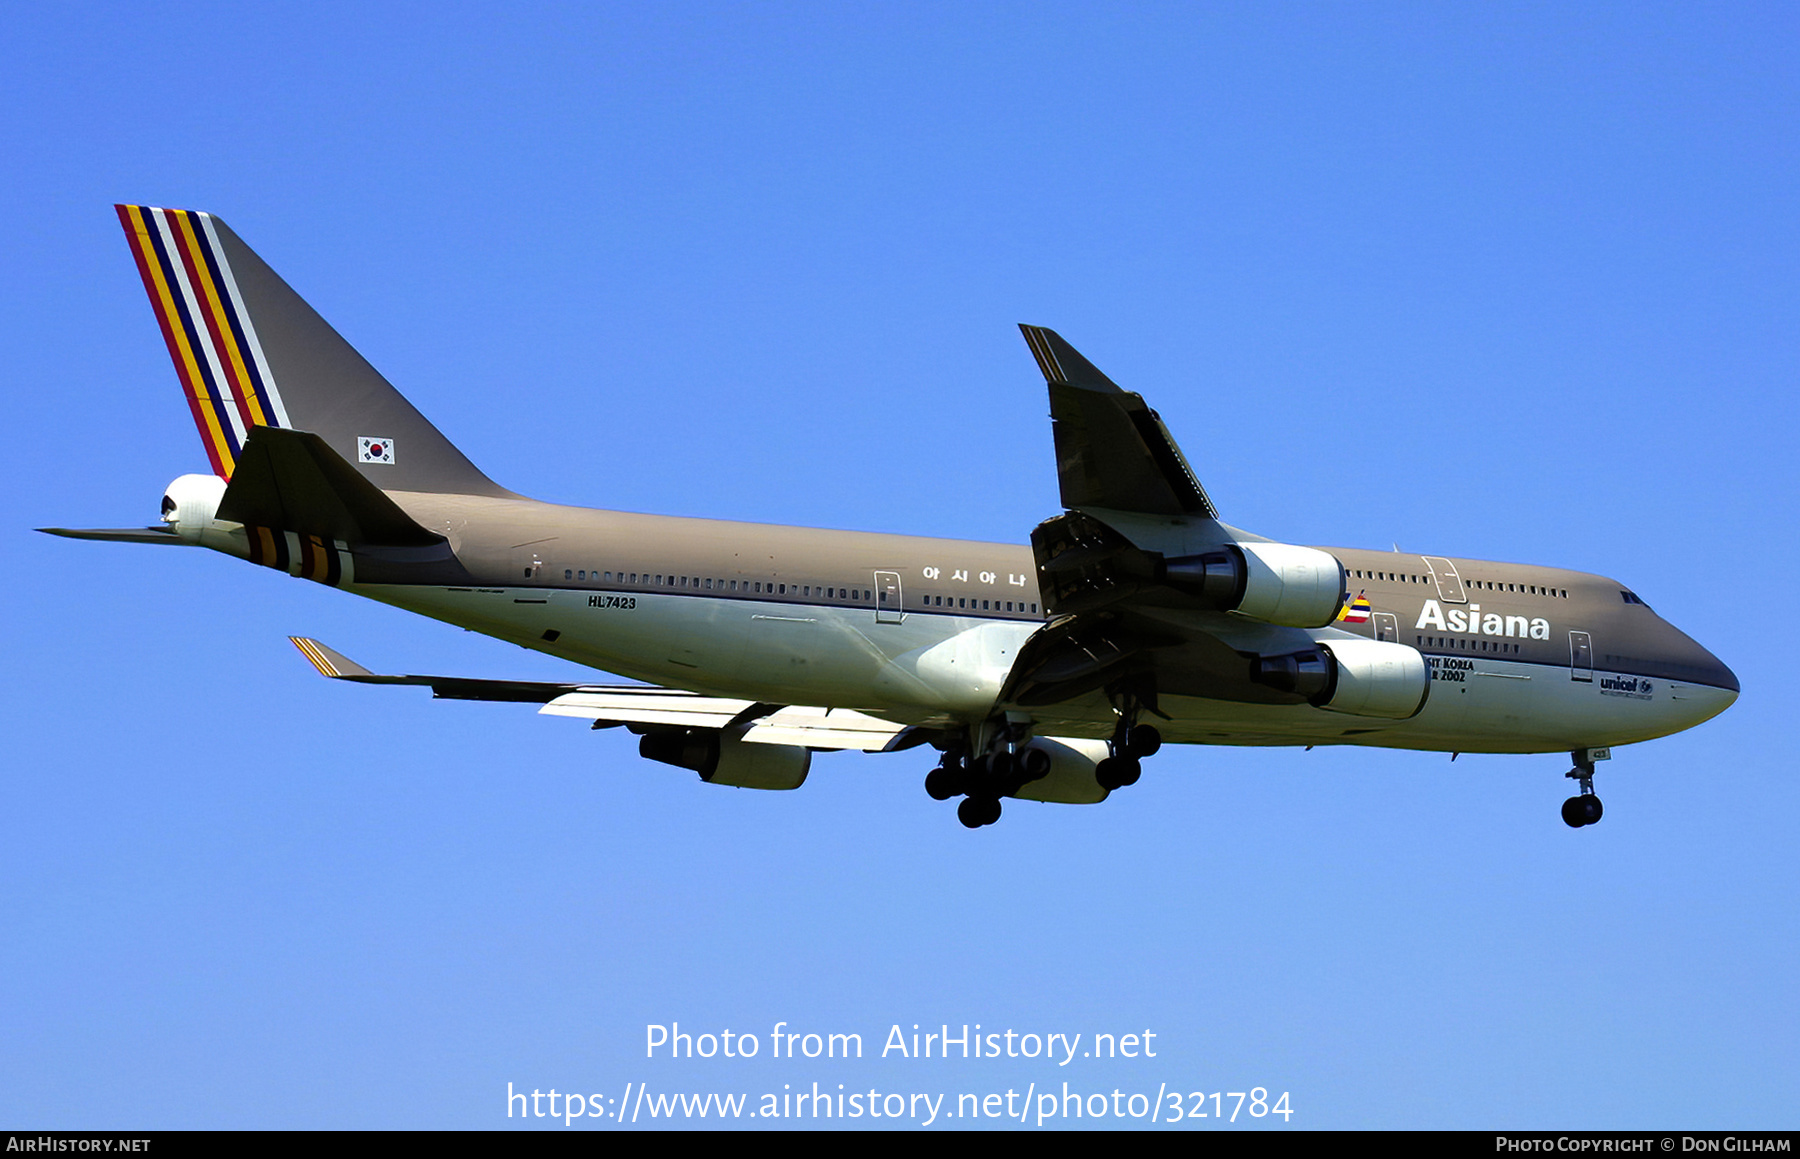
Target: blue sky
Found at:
x=1508, y=281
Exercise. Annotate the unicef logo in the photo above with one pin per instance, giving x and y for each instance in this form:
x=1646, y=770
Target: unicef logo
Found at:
x=1645, y=687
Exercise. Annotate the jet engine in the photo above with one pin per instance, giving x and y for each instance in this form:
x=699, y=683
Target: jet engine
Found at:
x=1071, y=779
x=1278, y=583
x=726, y=759
x=1360, y=677
x=1084, y=565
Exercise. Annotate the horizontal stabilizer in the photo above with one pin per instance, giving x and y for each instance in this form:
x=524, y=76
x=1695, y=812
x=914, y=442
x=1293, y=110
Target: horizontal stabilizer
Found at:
x=117, y=534
x=1112, y=450
x=293, y=481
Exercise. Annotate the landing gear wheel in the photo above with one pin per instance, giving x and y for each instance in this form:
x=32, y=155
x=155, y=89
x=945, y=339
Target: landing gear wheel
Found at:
x=1583, y=810
x=1144, y=741
x=943, y=783
x=975, y=812
x=1036, y=764
x=1117, y=772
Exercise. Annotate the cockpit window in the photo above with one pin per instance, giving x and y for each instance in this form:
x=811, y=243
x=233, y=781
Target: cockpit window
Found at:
x=1632, y=598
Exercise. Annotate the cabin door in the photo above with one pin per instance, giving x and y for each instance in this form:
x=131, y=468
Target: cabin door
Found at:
x=1581, y=656
x=1449, y=584
x=887, y=598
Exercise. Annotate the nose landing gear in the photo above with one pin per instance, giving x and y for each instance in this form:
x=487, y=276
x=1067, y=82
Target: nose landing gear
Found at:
x=1584, y=808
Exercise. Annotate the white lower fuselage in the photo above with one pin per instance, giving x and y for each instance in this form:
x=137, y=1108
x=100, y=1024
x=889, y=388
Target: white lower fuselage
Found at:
x=925, y=667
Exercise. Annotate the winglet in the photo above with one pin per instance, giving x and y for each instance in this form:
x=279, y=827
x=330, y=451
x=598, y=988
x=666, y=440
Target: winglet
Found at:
x=1062, y=363
x=338, y=666
x=329, y=663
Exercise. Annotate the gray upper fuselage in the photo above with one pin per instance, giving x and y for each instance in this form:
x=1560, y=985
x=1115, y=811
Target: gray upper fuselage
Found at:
x=1526, y=613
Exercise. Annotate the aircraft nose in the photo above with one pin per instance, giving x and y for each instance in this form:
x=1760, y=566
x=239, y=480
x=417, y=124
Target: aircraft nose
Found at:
x=1729, y=678
x=1703, y=686
x=1706, y=668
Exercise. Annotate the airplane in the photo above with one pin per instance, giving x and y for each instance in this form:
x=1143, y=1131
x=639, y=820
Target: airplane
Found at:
x=1047, y=672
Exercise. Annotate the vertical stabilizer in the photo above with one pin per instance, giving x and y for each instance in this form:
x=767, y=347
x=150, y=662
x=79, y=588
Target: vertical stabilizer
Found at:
x=250, y=352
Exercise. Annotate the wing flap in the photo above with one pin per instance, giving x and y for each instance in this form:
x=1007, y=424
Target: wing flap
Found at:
x=824, y=728
x=662, y=706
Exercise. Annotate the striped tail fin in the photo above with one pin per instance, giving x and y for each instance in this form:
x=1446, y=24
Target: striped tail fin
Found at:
x=250, y=352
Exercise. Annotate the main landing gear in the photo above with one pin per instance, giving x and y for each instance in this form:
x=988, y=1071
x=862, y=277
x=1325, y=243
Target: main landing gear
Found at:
x=1007, y=761
x=1131, y=743
x=1003, y=769
x=1129, y=748
x=1584, y=808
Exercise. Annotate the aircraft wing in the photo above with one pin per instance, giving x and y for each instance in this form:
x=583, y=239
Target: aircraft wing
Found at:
x=1131, y=618
x=1112, y=450
x=642, y=708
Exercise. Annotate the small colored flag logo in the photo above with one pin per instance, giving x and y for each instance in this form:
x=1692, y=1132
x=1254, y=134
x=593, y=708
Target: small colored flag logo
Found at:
x=1355, y=611
x=374, y=450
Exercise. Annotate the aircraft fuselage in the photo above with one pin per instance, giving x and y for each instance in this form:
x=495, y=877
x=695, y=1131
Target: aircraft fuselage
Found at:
x=922, y=630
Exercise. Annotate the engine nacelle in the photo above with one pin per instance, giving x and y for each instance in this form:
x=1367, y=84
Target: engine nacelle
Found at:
x=1071, y=779
x=1378, y=678
x=1359, y=677
x=726, y=759
x=1278, y=583
x=190, y=505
